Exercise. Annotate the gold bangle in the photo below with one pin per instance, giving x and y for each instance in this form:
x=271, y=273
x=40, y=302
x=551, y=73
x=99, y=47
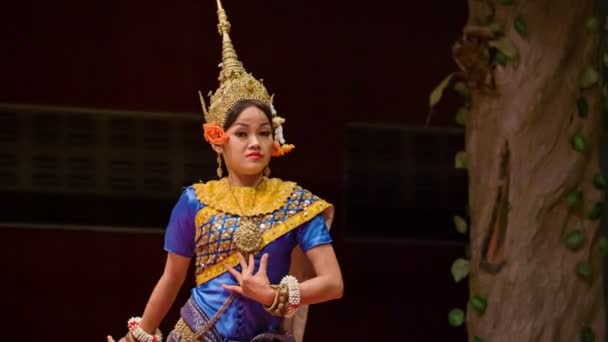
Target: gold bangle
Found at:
x=275, y=300
x=279, y=306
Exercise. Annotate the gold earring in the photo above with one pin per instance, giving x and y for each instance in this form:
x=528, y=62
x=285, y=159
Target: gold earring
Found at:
x=219, y=166
x=267, y=171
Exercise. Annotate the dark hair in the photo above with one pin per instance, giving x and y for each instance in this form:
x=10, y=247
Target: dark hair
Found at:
x=240, y=106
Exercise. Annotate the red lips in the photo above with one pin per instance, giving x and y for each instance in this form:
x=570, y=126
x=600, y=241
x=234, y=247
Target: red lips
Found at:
x=254, y=155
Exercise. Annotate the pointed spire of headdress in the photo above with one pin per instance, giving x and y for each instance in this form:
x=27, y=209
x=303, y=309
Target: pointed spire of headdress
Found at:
x=231, y=66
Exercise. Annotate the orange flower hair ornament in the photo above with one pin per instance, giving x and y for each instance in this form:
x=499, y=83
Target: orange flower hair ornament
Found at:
x=279, y=150
x=279, y=147
x=214, y=134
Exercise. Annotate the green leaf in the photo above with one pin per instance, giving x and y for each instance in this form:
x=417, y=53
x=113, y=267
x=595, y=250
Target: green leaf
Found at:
x=605, y=59
x=520, y=25
x=574, y=240
x=587, y=334
x=583, y=107
x=461, y=116
x=604, y=245
x=505, y=2
x=477, y=339
x=592, y=23
x=479, y=304
x=506, y=46
x=456, y=317
x=596, y=211
x=438, y=91
x=460, y=269
x=579, y=143
x=583, y=270
x=600, y=182
x=462, y=89
x=460, y=161
x=461, y=224
x=500, y=59
x=588, y=78
x=574, y=199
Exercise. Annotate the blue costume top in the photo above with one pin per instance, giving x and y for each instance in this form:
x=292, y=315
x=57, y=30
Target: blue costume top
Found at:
x=202, y=225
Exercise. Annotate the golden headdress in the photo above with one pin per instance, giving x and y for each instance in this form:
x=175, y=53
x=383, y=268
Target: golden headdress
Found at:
x=236, y=85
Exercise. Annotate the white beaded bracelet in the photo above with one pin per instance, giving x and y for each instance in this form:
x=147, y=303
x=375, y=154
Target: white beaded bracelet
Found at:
x=140, y=334
x=294, y=294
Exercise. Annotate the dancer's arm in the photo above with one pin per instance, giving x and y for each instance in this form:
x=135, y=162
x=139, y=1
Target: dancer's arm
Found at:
x=164, y=293
x=166, y=290
x=327, y=283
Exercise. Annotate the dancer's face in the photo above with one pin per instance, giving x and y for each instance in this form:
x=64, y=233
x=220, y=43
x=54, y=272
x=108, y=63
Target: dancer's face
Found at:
x=249, y=146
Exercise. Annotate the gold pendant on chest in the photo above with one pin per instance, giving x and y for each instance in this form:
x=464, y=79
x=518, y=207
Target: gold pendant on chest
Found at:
x=248, y=236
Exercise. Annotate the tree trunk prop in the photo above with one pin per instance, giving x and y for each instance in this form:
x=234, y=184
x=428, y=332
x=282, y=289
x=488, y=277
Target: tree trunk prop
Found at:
x=533, y=115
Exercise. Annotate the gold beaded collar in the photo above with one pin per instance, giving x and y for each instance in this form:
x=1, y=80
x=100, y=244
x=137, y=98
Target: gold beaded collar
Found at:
x=272, y=194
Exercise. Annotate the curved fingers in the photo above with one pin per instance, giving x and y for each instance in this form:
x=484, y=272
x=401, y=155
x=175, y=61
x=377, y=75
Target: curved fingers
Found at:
x=263, y=265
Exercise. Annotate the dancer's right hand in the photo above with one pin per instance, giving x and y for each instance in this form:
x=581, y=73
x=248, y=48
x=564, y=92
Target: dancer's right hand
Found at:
x=110, y=339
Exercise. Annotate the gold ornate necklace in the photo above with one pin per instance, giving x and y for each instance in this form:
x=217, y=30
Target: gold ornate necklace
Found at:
x=247, y=236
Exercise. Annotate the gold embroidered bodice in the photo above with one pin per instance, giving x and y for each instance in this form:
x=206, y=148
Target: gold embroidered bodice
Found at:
x=279, y=206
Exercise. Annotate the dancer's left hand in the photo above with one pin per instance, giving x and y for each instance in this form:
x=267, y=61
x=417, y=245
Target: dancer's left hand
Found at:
x=255, y=286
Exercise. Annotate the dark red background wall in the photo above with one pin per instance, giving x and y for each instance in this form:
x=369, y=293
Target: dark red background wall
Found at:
x=329, y=63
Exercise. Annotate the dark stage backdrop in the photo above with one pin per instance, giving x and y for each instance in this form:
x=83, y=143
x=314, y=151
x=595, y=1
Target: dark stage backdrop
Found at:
x=329, y=63
x=336, y=67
